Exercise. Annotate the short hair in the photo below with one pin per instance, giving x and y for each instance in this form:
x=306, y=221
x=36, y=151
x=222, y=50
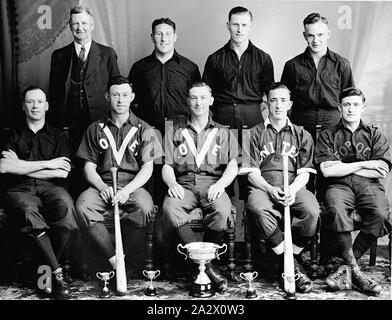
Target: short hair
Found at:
x=240, y=10
x=117, y=80
x=274, y=86
x=32, y=88
x=351, y=91
x=80, y=9
x=313, y=18
x=159, y=21
x=199, y=84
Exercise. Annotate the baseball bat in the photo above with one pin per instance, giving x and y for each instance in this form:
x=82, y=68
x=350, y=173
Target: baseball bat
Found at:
x=121, y=276
x=288, y=262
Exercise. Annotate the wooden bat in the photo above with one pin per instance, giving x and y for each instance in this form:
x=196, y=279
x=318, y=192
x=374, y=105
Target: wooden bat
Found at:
x=288, y=262
x=121, y=276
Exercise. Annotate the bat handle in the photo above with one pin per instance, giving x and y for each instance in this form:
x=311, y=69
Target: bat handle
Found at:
x=113, y=170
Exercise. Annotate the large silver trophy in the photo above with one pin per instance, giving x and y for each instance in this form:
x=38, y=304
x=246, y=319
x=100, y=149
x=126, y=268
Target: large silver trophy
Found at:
x=202, y=253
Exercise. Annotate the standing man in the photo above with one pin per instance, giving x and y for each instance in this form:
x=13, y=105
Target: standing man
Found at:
x=200, y=163
x=161, y=80
x=36, y=156
x=130, y=144
x=316, y=78
x=262, y=161
x=79, y=73
x=238, y=74
x=353, y=157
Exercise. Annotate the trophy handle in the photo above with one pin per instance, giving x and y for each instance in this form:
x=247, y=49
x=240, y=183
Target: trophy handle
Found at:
x=223, y=246
x=111, y=274
x=98, y=274
x=182, y=247
x=157, y=273
x=255, y=274
x=242, y=275
x=145, y=273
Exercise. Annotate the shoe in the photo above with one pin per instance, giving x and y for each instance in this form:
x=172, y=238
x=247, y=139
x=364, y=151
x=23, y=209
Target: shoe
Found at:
x=219, y=281
x=60, y=288
x=340, y=280
x=303, y=283
x=364, y=283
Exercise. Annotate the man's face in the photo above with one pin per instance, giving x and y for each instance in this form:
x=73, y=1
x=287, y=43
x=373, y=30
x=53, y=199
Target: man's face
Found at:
x=352, y=108
x=279, y=103
x=316, y=36
x=35, y=104
x=200, y=100
x=240, y=26
x=120, y=98
x=164, y=38
x=81, y=24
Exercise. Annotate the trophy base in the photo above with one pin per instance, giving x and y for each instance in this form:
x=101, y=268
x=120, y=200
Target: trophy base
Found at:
x=105, y=294
x=201, y=290
x=251, y=294
x=151, y=292
x=290, y=296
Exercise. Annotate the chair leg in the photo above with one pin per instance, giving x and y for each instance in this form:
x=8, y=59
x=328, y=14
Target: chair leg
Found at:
x=149, y=263
x=230, y=235
x=314, y=250
x=373, y=254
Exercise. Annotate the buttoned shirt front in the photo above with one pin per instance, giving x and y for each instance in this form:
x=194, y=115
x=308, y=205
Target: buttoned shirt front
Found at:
x=236, y=80
x=205, y=153
x=341, y=144
x=161, y=89
x=263, y=151
x=319, y=87
x=127, y=148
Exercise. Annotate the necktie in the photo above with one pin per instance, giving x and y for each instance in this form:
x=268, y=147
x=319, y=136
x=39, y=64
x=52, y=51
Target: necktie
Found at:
x=82, y=54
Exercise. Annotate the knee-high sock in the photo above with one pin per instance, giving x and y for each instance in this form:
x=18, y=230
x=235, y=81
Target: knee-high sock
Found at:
x=362, y=243
x=101, y=237
x=44, y=244
x=186, y=234
x=344, y=245
x=214, y=236
x=60, y=238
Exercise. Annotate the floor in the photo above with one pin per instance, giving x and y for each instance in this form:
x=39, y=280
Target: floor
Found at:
x=265, y=284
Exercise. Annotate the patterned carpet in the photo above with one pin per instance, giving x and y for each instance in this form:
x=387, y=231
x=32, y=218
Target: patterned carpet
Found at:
x=266, y=286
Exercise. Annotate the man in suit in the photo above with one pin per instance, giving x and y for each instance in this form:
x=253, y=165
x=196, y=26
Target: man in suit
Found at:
x=79, y=73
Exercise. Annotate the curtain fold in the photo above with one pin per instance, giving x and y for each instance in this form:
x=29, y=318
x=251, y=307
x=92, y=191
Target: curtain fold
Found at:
x=8, y=76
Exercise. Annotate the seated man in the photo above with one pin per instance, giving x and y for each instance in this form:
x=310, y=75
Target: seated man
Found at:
x=353, y=157
x=36, y=203
x=200, y=162
x=124, y=141
x=262, y=161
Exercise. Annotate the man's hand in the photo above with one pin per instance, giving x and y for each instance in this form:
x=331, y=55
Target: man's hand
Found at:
x=121, y=196
x=62, y=163
x=277, y=195
x=289, y=198
x=176, y=191
x=214, y=192
x=9, y=154
x=379, y=165
x=107, y=194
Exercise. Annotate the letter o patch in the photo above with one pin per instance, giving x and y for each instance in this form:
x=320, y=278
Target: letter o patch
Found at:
x=103, y=143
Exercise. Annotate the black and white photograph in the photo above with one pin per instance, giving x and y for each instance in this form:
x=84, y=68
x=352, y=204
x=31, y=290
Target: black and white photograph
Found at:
x=194, y=157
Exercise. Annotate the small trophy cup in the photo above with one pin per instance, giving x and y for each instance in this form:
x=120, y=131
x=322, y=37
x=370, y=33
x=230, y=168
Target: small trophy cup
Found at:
x=250, y=276
x=201, y=253
x=151, y=275
x=105, y=277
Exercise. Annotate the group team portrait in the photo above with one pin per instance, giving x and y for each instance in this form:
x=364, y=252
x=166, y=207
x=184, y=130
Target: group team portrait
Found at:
x=195, y=150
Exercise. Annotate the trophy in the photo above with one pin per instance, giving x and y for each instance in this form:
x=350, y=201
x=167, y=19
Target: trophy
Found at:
x=105, y=277
x=201, y=253
x=250, y=276
x=151, y=275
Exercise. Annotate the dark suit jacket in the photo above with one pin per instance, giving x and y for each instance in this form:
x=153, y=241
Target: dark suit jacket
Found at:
x=102, y=65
